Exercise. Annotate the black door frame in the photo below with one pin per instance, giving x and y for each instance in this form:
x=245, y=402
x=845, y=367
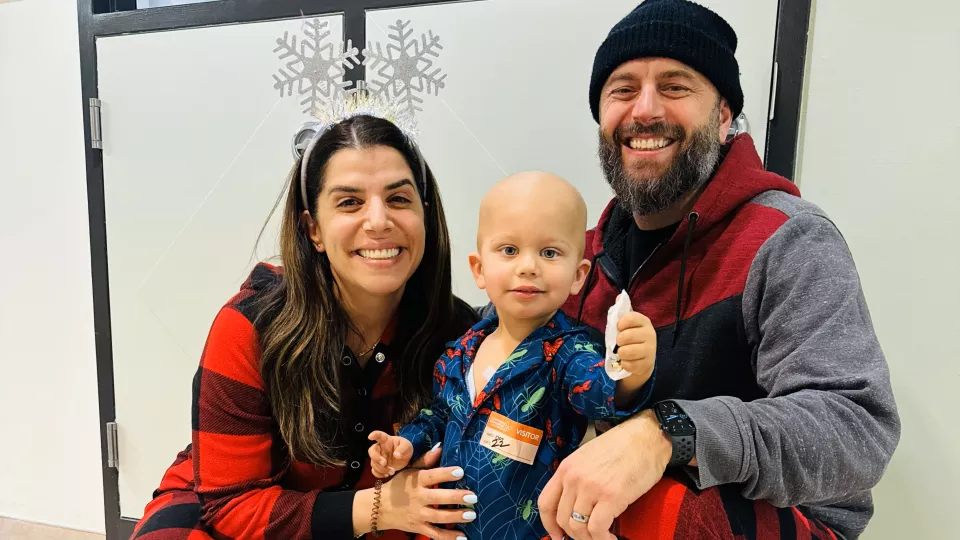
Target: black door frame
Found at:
x=787, y=67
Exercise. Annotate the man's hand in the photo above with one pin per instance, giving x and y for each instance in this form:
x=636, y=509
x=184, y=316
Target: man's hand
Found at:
x=388, y=454
x=603, y=477
x=636, y=346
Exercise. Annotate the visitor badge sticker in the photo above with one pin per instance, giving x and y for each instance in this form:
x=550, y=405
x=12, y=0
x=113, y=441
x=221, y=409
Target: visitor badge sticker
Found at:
x=511, y=439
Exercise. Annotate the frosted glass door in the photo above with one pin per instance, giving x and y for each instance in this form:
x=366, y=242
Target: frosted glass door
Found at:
x=196, y=149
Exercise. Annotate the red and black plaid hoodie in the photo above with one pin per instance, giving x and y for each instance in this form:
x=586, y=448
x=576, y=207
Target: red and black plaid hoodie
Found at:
x=237, y=468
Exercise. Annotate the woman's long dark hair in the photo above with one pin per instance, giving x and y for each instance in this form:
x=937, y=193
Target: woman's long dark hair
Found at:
x=304, y=325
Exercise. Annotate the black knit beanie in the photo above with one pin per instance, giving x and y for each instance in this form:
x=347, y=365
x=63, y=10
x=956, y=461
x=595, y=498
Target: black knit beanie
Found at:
x=677, y=29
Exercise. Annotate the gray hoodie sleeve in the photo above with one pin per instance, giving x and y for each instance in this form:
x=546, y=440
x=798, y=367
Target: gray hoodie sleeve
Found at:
x=829, y=425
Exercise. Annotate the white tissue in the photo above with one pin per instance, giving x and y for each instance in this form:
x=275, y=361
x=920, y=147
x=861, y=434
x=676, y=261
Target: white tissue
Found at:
x=619, y=308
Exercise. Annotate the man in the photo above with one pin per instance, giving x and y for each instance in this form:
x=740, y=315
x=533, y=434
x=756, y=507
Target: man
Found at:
x=775, y=414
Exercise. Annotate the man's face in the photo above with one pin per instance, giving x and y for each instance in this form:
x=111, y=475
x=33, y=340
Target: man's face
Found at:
x=661, y=127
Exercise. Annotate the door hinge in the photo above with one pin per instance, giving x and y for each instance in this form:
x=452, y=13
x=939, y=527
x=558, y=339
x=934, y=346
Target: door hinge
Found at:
x=96, y=137
x=113, y=457
x=774, y=89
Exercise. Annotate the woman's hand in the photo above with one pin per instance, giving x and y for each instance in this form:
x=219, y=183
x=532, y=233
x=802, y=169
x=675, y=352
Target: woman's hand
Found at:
x=408, y=500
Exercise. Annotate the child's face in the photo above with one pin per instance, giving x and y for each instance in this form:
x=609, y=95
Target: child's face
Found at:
x=530, y=257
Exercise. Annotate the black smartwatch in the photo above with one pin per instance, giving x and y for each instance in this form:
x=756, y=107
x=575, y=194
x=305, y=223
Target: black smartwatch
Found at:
x=678, y=426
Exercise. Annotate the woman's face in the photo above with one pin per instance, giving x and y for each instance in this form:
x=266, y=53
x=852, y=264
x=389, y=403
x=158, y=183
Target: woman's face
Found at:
x=369, y=220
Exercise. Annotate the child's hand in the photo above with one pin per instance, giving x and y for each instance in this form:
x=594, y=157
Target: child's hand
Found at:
x=637, y=345
x=388, y=454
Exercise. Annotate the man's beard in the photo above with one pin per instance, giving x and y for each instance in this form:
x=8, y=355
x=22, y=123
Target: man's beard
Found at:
x=645, y=194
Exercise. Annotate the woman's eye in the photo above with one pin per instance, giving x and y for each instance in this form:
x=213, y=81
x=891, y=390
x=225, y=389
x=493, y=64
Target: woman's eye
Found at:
x=401, y=199
x=509, y=251
x=550, y=253
x=347, y=203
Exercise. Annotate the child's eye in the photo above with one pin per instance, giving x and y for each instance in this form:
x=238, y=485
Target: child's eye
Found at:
x=509, y=251
x=550, y=253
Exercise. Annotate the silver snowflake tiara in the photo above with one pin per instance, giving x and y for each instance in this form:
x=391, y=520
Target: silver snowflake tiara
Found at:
x=357, y=102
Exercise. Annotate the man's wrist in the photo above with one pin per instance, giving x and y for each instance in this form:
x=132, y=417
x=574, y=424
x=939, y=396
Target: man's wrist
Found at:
x=649, y=435
x=679, y=429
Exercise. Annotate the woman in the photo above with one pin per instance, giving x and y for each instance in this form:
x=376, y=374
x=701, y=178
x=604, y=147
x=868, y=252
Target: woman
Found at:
x=306, y=361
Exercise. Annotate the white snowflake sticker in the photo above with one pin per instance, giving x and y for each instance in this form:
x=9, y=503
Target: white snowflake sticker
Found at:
x=316, y=67
x=404, y=70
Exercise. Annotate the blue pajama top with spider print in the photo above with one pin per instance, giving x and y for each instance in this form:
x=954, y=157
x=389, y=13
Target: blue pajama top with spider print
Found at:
x=554, y=381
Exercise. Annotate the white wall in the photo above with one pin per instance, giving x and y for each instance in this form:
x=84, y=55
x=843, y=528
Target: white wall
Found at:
x=881, y=142
x=50, y=450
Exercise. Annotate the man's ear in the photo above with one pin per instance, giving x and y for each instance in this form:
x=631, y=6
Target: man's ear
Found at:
x=313, y=231
x=583, y=268
x=726, y=119
x=476, y=267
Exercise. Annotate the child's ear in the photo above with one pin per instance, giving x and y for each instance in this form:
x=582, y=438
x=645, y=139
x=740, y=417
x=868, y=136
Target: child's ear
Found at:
x=583, y=268
x=476, y=266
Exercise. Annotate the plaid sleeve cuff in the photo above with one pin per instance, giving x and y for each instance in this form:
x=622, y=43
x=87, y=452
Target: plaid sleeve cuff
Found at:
x=332, y=517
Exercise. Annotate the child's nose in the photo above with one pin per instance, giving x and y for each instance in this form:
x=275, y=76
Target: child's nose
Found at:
x=527, y=265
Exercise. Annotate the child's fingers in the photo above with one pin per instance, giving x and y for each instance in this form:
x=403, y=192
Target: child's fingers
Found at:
x=403, y=449
x=633, y=319
x=379, y=472
x=377, y=455
x=635, y=336
x=378, y=436
x=635, y=353
x=397, y=463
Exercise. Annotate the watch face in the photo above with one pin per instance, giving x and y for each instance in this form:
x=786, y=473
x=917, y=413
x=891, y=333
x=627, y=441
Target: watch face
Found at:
x=674, y=421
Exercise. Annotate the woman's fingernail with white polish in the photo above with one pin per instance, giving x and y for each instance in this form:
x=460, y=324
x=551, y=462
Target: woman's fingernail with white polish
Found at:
x=458, y=472
x=469, y=516
x=461, y=538
x=436, y=446
x=470, y=499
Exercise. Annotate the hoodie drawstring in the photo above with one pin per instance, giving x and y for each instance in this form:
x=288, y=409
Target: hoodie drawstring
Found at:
x=586, y=286
x=691, y=224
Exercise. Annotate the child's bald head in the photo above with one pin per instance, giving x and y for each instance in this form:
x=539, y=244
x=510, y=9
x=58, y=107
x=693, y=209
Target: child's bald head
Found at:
x=547, y=200
x=530, y=245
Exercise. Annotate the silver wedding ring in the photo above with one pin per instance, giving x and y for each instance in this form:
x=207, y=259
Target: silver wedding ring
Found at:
x=578, y=517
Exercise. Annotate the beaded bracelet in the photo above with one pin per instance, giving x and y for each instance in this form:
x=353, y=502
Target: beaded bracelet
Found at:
x=375, y=512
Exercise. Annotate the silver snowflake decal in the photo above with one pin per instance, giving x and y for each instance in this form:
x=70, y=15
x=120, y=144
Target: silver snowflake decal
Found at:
x=405, y=69
x=315, y=68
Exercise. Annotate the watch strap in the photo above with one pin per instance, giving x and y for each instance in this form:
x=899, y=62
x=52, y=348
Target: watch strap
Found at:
x=684, y=448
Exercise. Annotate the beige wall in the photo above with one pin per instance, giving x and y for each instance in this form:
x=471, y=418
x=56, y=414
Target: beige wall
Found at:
x=49, y=432
x=880, y=143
